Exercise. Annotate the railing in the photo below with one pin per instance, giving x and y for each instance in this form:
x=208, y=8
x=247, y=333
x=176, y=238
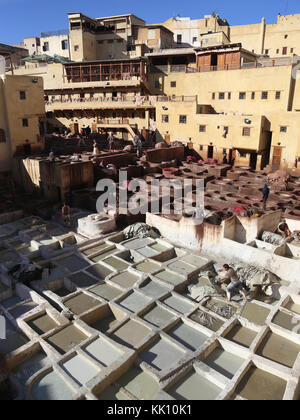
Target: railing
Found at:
x=182, y=68
x=113, y=121
x=55, y=33
x=178, y=68
x=174, y=98
x=136, y=101
x=103, y=77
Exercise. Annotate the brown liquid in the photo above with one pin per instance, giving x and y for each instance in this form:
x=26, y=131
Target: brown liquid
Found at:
x=279, y=349
x=260, y=385
x=241, y=335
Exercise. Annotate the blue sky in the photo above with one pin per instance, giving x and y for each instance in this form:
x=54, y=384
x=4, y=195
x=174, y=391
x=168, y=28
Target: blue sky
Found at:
x=22, y=18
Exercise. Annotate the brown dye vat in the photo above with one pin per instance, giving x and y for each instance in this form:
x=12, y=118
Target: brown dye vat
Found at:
x=66, y=339
x=292, y=306
x=241, y=335
x=285, y=321
x=81, y=303
x=103, y=324
x=279, y=349
x=260, y=385
x=255, y=313
x=42, y=324
x=132, y=333
x=82, y=280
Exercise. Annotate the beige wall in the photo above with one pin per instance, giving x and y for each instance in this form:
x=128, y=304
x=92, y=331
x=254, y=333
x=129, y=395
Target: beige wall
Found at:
x=260, y=37
x=31, y=109
x=204, y=84
x=5, y=156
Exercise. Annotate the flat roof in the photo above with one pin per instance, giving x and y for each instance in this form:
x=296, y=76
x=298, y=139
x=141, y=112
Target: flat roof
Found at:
x=107, y=17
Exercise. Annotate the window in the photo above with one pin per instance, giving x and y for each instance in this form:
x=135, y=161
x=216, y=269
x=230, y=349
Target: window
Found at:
x=110, y=41
x=202, y=128
x=173, y=84
x=277, y=95
x=157, y=84
x=229, y=95
x=283, y=129
x=2, y=136
x=284, y=51
x=179, y=39
x=266, y=51
x=213, y=96
x=285, y=36
x=292, y=50
x=221, y=95
x=201, y=148
x=182, y=119
x=264, y=95
x=242, y=95
x=22, y=95
x=151, y=34
x=246, y=131
x=194, y=39
x=165, y=118
x=226, y=129
x=46, y=46
x=100, y=42
x=64, y=44
x=277, y=51
x=25, y=122
x=253, y=95
x=82, y=95
x=76, y=47
x=120, y=31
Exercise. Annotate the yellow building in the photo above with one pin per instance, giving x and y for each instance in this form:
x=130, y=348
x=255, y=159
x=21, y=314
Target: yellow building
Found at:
x=279, y=39
x=246, y=109
x=21, y=107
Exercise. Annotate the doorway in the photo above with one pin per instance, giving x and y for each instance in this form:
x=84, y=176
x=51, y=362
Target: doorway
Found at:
x=210, y=152
x=277, y=157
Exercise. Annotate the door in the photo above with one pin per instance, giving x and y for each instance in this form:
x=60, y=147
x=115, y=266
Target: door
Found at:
x=210, y=152
x=277, y=157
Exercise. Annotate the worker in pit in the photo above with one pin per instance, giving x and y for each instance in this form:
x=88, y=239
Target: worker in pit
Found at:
x=235, y=283
x=66, y=214
x=283, y=229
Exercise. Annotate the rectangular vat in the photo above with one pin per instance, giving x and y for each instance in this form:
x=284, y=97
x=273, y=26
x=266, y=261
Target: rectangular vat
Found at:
x=260, y=385
x=162, y=354
x=187, y=336
x=66, y=339
x=193, y=386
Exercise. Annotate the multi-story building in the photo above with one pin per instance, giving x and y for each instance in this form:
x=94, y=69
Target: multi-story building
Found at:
x=51, y=43
x=226, y=97
x=278, y=39
x=13, y=54
x=190, y=32
x=21, y=109
x=227, y=100
x=102, y=38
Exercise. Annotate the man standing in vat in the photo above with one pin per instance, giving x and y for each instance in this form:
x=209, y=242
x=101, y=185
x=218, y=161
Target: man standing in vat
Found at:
x=265, y=192
x=66, y=214
x=283, y=229
x=235, y=283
